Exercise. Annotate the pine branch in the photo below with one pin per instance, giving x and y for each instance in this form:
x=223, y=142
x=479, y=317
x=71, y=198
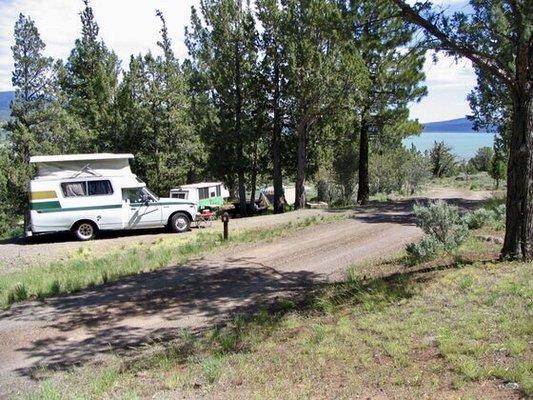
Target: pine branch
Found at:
x=482, y=60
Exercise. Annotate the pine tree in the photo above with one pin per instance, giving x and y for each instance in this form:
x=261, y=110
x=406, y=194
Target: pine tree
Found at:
x=89, y=82
x=31, y=79
x=394, y=69
x=30, y=111
x=155, y=117
x=222, y=44
x=497, y=38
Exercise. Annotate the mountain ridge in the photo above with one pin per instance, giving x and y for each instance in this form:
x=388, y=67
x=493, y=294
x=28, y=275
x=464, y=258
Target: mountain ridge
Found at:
x=459, y=125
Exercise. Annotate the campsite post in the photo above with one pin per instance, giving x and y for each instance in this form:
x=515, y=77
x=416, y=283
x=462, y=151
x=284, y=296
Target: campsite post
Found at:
x=225, y=221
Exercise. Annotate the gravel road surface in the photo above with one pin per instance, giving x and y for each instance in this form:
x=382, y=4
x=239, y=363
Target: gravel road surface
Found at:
x=18, y=253
x=65, y=331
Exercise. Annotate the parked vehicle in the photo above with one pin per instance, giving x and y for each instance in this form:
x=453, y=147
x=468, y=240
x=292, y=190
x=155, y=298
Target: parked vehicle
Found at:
x=208, y=195
x=87, y=193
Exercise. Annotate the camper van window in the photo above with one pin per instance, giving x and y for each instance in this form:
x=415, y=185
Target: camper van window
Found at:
x=203, y=193
x=213, y=194
x=97, y=188
x=90, y=188
x=218, y=190
x=74, y=189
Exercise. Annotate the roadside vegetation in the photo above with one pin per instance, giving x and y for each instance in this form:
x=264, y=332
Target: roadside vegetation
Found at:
x=85, y=270
x=457, y=326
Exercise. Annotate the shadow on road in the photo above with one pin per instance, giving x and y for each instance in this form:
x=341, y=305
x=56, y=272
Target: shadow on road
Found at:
x=400, y=211
x=61, y=237
x=152, y=306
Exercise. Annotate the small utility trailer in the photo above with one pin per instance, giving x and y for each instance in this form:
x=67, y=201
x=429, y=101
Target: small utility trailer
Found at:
x=208, y=195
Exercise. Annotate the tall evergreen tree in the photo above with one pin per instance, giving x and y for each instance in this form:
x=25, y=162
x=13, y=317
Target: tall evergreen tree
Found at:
x=222, y=44
x=89, y=81
x=154, y=117
x=31, y=78
x=394, y=70
x=38, y=124
x=273, y=69
x=313, y=80
x=497, y=38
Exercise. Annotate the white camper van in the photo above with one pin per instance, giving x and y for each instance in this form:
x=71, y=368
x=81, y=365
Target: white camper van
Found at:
x=86, y=193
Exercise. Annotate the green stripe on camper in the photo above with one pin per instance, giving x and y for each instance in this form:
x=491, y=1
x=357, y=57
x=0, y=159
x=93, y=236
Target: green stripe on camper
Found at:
x=45, y=205
x=60, y=209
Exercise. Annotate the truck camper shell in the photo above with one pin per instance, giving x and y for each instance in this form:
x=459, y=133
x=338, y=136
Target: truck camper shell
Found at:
x=86, y=193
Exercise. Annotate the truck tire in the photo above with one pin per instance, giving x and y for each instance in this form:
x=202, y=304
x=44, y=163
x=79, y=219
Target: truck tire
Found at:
x=85, y=230
x=180, y=222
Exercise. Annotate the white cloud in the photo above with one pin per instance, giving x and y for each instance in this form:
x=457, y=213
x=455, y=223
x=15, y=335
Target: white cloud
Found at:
x=127, y=26
x=448, y=82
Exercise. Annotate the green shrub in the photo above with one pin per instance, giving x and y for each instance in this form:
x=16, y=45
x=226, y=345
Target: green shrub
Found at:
x=444, y=228
x=425, y=250
x=487, y=216
x=443, y=221
x=479, y=218
x=399, y=170
x=499, y=217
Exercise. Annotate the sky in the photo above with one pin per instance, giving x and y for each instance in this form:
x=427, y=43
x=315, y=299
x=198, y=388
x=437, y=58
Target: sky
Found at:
x=131, y=27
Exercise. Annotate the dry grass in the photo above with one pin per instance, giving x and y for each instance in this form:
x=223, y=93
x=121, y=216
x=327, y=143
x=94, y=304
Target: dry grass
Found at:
x=86, y=270
x=452, y=328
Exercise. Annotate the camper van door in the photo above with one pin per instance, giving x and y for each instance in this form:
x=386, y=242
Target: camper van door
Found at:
x=144, y=210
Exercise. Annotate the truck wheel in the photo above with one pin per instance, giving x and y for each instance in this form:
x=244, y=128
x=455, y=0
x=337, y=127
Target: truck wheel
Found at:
x=85, y=230
x=180, y=222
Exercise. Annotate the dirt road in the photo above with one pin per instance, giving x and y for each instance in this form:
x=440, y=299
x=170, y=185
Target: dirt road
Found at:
x=62, y=332
x=18, y=253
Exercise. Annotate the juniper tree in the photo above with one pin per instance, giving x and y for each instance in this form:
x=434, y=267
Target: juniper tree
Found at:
x=89, y=82
x=222, y=45
x=497, y=38
x=394, y=68
x=270, y=15
x=314, y=85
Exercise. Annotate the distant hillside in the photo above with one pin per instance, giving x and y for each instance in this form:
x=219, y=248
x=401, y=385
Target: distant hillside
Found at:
x=452, y=125
x=5, y=99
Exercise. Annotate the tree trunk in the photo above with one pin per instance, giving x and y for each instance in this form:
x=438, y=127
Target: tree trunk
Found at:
x=238, y=129
x=276, y=142
x=301, y=166
x=518, y=241
x=363, y=190
x=253, y=177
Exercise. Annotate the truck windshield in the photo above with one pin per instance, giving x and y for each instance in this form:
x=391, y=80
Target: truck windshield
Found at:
x=150, y=193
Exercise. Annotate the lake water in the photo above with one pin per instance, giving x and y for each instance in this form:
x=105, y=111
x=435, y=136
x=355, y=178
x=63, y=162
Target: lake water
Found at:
x=464, y=145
